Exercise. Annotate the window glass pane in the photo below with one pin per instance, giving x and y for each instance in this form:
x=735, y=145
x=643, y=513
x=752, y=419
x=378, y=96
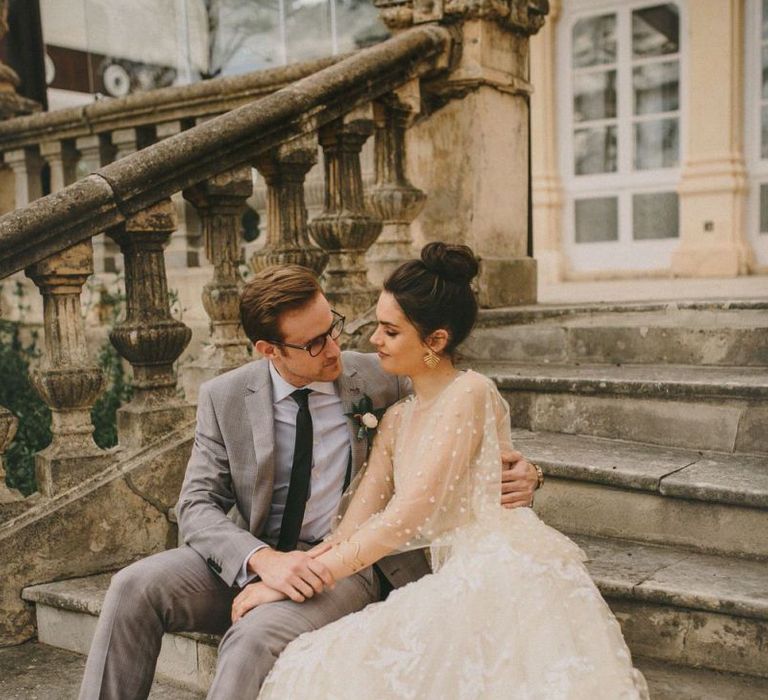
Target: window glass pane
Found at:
x=594, y=41
x=656, y=144
x=597, y=219
x=765, y=72
x=655, y=216
x=764, y=133
x=764, y=209
x=655, y=30
x=656, y=87
x=594, y=96
x=595, y=150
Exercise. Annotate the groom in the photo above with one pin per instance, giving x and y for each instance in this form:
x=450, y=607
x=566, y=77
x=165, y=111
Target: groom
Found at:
x=275, y=445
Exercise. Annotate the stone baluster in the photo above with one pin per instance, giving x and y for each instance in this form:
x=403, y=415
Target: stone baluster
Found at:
x=27, y=166
x=95, y=151
x=61, y=157
x=10, y=498
x=392, y=197
x=67, y=380
x=219, y=202
x=184, y=249
x=345, y=229
x=149, y=337
x=284, y=170
x=11, y=103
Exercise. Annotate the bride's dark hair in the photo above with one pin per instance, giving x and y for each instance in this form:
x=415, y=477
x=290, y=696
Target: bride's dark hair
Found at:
x=434, y=291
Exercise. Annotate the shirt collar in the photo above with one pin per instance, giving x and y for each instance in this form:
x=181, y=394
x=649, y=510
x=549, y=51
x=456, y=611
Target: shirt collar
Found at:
x=281, y=389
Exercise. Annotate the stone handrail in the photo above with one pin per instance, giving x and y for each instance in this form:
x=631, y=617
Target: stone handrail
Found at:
x=178, y=103
x=125, y=187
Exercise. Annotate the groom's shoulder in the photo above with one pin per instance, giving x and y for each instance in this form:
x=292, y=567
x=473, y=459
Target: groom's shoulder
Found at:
x=234, y=380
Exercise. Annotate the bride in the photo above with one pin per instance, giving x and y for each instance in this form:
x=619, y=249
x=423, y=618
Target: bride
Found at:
x=509, y=610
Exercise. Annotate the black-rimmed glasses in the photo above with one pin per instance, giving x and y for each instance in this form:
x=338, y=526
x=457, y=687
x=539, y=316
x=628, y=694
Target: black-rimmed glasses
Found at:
x=315, y=346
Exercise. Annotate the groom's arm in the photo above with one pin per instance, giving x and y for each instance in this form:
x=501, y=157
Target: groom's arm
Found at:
x=206, y=497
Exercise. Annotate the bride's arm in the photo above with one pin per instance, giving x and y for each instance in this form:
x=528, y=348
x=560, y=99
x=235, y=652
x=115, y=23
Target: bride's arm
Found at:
x=429, y=490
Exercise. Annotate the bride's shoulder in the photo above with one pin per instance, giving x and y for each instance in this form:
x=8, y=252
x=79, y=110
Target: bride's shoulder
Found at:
x=474, y=383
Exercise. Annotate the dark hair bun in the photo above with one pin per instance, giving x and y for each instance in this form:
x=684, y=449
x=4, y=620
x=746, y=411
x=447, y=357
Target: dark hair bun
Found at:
x=453, y=263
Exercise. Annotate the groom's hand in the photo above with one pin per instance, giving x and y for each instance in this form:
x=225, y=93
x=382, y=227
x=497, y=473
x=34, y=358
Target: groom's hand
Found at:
x=295, y=574
x=519, y=479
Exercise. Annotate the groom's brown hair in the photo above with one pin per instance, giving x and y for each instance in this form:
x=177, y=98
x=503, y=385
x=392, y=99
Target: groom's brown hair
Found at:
x=270, y=293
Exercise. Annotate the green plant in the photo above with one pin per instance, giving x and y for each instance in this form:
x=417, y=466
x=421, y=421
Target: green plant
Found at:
x=18, y=395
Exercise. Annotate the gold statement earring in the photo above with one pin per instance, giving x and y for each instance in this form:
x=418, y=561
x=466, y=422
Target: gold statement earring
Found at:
x=431, y=360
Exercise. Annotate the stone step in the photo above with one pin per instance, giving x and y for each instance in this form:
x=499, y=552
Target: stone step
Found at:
x=692, y=333
x=35, y=671
x=704, y=408
x=707, y=501
x=674, y=605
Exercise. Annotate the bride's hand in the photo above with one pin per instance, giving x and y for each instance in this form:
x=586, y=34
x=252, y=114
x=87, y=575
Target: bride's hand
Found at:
x=252, y=595
x=319, y=549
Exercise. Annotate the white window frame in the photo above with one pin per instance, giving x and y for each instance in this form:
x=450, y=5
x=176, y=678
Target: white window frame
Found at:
x=757, y=167
x=625, y=254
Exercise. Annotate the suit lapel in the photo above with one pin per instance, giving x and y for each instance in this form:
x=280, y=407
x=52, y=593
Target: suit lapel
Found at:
x=258, y=404
x=351, y=389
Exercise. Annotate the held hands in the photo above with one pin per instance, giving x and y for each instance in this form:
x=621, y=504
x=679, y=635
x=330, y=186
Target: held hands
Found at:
x=252, y=595
x=519, y=480
x=297, y=575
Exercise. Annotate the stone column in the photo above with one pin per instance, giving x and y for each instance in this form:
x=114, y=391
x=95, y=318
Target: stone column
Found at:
x=471, y=155
x=219, y=203
x=61, y=157
x=94, y=152
x=346, y=229
x=149, y=338
x=713, y=186
x=546, y=181
x=284, y=170
x=10, y=499
x=67, y=380
x=27, y=166
x=393, y=198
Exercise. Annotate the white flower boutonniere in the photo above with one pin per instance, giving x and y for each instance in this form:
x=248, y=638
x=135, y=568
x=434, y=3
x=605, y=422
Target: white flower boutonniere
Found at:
x=367, y=417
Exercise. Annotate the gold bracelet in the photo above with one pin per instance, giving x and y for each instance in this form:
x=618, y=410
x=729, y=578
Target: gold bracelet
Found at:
x=539, y=475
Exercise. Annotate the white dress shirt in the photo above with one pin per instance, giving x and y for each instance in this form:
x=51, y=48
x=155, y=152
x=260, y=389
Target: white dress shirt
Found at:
x=330, y=459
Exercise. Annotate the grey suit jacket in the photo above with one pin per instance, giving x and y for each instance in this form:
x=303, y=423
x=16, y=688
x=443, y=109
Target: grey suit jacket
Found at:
x=232, y=462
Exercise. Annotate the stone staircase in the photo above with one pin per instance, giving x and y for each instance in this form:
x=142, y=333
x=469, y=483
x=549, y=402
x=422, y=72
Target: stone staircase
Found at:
x=651, y=423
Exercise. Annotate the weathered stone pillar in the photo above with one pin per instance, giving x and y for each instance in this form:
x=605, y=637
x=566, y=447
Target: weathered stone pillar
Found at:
x=393, y=198
x=471, y=155
x=9, y=498
x=284, y=170
x=67, y=380
x=713, y=187
x=546, y=181
x=94, y=152
x=27, y=166
x=61, y=157
x=149, y=338
x=346, y=229
x=219, y=203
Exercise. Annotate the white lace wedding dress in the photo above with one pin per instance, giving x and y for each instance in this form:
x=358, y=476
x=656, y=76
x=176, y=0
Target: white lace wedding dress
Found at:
x=509, y=612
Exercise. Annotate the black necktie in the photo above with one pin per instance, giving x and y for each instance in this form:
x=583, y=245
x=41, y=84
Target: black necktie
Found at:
x=301, y=469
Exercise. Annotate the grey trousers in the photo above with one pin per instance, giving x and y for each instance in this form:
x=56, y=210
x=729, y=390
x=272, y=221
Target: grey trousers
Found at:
x=174, y=591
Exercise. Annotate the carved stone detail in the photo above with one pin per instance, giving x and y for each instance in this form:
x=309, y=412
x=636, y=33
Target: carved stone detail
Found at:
x=219, y=202
x=345, y=228
x=149, y=337
x=67, y=380
x=11, y=103
x=284, y=170
x=521, y=16
x=393, y=197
